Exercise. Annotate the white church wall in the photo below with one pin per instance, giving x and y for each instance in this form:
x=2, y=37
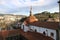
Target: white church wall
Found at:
x=52, y=31
x=22, y=25
x=32, y=27
x=46, y=30
x=40, y=30
x=26, y=28
x=36, y=28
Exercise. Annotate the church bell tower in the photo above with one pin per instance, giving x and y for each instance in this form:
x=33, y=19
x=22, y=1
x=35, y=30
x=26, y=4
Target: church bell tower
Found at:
x=31, y=11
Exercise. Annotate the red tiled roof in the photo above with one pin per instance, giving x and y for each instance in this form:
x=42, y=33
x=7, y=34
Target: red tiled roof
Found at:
x=6, y=33
x=50, y=25
x=31, y=19
x=34, y=36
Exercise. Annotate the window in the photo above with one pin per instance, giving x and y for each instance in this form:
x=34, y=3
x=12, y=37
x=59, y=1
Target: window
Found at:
x=35, y=30
x=52, y=34
x=23, y=27
x=44, y=33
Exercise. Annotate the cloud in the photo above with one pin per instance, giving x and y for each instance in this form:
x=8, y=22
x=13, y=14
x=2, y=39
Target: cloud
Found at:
x=22, y=3
x=55, y=9
x=2, y=2
x=11, y=6
x=36, y=3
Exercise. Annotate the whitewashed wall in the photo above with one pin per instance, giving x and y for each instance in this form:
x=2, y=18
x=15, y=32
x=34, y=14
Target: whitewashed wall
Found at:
x=22, y=25
x=26, y=28
x=47, y=31
x=40, y=30
x=53, y=31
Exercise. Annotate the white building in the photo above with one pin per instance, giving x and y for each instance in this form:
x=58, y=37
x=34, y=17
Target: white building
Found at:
x=46, y=28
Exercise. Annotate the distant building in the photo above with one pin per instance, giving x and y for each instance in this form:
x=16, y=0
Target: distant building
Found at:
x=1, y=17
x=9, y=33
x=50, y=19
x=57, y=19
x=46, y=28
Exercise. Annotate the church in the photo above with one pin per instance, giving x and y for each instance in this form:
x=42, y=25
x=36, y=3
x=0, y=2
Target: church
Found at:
x=32, y=24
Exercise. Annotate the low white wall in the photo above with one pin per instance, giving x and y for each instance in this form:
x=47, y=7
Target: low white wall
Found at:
x=40, y=30
x=26, y=28
x=47, y=31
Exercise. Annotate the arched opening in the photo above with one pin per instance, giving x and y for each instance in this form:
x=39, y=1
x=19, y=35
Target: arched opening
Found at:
x=44, y=33
x=52, y=34
x=35, y=30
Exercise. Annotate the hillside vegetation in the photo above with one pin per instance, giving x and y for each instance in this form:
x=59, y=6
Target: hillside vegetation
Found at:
x=45, y=15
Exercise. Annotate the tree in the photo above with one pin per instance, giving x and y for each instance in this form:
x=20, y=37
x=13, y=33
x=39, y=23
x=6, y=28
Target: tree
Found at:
x=22, y=20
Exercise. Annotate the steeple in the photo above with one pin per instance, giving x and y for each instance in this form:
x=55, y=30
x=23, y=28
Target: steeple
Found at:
x=31, y=11
x=31, y=17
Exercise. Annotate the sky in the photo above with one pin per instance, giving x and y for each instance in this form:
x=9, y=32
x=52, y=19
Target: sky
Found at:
x=22, y=7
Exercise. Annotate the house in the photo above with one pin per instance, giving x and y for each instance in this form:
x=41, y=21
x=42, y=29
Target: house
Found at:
x=50, y=19
x=32, y=24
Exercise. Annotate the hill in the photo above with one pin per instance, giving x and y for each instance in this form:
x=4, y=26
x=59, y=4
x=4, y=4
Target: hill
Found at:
x=45, y=15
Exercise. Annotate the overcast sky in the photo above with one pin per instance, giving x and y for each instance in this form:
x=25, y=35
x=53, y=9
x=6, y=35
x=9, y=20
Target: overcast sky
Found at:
x=22, y=7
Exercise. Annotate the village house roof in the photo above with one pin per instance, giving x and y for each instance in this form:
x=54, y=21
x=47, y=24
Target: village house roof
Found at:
x=34, y=36
x=9, y=33
x=50, y=25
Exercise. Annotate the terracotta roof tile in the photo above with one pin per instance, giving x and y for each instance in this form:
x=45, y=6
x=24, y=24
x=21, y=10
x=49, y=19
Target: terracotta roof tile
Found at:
x=34, y=36
x=50, y=25
x=6, y=33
